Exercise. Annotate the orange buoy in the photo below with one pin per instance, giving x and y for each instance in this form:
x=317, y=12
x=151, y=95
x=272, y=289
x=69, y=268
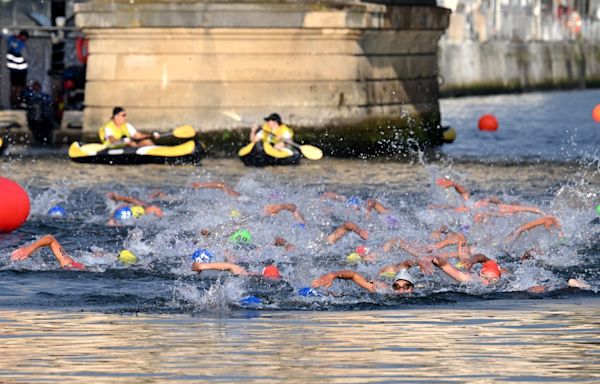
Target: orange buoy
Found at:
x=14, y=205
x=488, y=123
x=596, y=113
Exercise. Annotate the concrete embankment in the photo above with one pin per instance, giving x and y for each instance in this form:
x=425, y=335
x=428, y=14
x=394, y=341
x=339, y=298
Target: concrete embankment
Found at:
x=505, y=66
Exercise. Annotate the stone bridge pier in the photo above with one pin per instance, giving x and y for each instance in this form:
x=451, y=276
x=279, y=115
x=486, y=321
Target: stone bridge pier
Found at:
x=354, y=77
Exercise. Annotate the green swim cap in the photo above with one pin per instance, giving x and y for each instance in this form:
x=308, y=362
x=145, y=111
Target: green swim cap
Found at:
x=598, y=209
x=241, y=236
x=388, y=275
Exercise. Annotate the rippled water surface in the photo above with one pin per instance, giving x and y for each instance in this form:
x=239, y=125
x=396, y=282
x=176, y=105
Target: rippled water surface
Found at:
x=158, y=321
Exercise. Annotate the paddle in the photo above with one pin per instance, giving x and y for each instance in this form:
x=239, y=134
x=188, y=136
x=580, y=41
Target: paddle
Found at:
x=181, y=132
x=309, y=151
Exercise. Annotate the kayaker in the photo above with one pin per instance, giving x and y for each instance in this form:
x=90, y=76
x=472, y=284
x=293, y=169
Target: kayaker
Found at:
x=273, y=132
x=119, y=133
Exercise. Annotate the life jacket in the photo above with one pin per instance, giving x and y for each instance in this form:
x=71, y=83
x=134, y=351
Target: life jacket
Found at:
x=14, y=55
x=118, y=132
x=283, y=131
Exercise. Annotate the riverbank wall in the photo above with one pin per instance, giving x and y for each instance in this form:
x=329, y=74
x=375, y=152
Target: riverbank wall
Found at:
x=511, y=66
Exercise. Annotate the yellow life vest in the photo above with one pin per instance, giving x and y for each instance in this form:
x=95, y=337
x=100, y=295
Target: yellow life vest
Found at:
x=281, y=131
x=118, y=132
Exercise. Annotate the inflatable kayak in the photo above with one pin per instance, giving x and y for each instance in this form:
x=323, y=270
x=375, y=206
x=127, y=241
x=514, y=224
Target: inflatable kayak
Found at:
x=263, y=154
x=189, y=152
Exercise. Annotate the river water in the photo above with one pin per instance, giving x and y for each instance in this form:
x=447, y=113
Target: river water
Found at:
x=157, y=321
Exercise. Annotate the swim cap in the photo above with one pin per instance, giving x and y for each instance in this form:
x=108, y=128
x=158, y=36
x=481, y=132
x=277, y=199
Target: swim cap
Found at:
x=241, y=236
x=362, y=250
x=392, y=221
x=127, y=257
x=137, y=211
x=490, y=270
x=598, y=209
x=202, y=256
x=299, y=225
x=309, y=292
x=57, y=210
x=271, y=272
x=234, y=213
x=404, y=275
x=387, y=275
x=353, y=200
x=250, y=300
x=353, y=258
x=123, y=213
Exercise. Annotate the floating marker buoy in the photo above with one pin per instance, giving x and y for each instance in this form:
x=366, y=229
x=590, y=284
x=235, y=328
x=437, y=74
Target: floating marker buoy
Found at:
x=596, y=113
x=488, y=123
x=14, y=205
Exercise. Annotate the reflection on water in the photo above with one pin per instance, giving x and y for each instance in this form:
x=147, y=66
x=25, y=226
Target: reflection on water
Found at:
x=546, y=340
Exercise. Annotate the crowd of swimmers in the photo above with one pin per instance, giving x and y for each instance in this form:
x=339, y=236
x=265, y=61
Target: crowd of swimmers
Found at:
x=449, y=250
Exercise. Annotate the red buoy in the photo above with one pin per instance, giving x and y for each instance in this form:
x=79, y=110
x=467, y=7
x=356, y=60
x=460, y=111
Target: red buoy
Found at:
x=596, y=113
x=14, y=205
x=488, y=123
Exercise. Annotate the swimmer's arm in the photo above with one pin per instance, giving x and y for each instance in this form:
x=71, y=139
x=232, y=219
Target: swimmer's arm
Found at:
x=447, y=183
x=376, y=205
x=273, y=209
x=327, y=279
x=509, y=209
x=332, y=196
x=216, y=185
x=229, y=267
x=406, y=246
x=339, y=232
x=126, y=199
x=45, y=241
x=547, y=221
x=281, y=242
x=454, y=273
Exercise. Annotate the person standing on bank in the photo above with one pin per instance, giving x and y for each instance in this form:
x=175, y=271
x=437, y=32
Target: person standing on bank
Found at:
x=16, y=62
x=118, y=133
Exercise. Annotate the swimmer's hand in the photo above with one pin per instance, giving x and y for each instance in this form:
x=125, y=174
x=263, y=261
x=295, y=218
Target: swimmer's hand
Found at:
x=439, y=261
x=444, y=183
x=155, y=135
x=426, y=265
x=323, y=281
x=20, y=253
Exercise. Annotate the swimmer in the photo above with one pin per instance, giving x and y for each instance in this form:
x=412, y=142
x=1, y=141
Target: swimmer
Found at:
x=216, y=185
x=273, y=209
x=354, y=202
x=65, y=261
x=548, y=222
x=138, y=208
x=445, y=183
x=269, y=272
x=340, y=231
x=490, y=271
x=403, y=281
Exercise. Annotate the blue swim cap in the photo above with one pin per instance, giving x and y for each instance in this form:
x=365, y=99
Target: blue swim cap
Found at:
x=299, y=225
x=353, y=200
x=57, y=210
x=123, y=213
x=309, y=292
x=202, y=256
x=250, y=300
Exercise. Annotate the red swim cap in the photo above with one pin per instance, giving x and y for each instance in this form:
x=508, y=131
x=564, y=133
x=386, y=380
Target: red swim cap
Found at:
x=491, y=270
x=362, y=250
x=271, y=272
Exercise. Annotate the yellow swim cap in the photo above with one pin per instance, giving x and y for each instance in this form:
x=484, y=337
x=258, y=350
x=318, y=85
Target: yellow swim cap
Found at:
x=234, y=213
x=353, y=258
x=459, y=265
x=388, y=274
x=127, y=257
x=137, y=211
